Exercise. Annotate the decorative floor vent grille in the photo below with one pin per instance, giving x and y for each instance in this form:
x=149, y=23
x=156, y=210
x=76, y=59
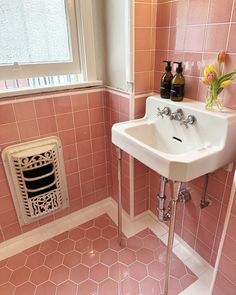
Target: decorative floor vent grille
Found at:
x=36, y=175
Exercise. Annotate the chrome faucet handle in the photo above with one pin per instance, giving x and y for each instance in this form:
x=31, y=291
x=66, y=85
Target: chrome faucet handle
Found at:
x=177, y=115
x=166, y=111
x=189, y=120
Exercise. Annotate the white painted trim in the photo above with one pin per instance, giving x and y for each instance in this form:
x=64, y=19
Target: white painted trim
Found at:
x=27, y=91
x=129, y=41
x=86, y=39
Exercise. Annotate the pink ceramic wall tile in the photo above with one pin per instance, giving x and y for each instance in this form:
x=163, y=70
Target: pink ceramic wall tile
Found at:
x=199, y=11
x=64, y=122
x=216, y=37
x=28, y=129
x=79, y=102
x=143, y=14
x=44, y=108
x=142, y=38
x=7, y=114
x=9, y=133
x=47, y=125
x=219, y=15
x=62, y=104
x=163, y=15
x=179, y=13
x=24, y=110
x=232, y=39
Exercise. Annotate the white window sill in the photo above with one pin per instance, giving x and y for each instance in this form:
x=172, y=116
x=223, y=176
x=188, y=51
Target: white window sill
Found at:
x=36, y=90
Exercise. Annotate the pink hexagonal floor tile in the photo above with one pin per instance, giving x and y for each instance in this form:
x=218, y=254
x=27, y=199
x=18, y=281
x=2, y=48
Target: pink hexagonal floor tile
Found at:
x=79, y=273
x=46, y=288
x=109, y=257
x=54, y=259
x=100, y=244
x=178, y=269
x=151, y=242
x=91, y=258
x=31, y=250
x=5, y=275
x=3, y=262
x=138, y=270
x=35, y=260
x=48, y=247
x=87, y=224
x=20, y=275
x=7, y=289
x=83, y=245
x=143, y=233
x=67, y=288
x=88, y=288
x=76, y=234
x=108, y=287
x=156, y=270
x=187, y=280
x=135, y=243
x=102, y=221
x=93, y=233
x=25, y=289
x=99, y=272
x=129, y=287
x=59, y=274
x=61, y=237
x=150, y=286
x=145, y=255
x=174, y=287
x=114, y=244
x=109, y=232
x=72, y=258
x=118, y=272
x=40, y=275
x=127, y=256
x=16, y=261
x=160, y=254
x=66, y=246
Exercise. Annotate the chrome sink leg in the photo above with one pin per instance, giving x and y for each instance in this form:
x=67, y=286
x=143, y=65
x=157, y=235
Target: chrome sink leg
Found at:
x=119, y=158
x=174, y=188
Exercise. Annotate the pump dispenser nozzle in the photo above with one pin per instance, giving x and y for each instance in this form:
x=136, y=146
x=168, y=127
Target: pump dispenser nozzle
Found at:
x=177, y=84
x=166, y=81
x=179, y=69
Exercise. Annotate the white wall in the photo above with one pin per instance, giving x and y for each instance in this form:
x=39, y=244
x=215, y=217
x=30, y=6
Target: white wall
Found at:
x=110, y=40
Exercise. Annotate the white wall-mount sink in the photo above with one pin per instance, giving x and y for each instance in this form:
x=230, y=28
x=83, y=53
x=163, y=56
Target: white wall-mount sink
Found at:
x=171, y=149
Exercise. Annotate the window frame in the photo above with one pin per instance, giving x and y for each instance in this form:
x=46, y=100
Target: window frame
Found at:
x=81, y=35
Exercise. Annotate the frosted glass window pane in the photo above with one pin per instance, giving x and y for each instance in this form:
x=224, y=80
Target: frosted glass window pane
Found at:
x=33, y=31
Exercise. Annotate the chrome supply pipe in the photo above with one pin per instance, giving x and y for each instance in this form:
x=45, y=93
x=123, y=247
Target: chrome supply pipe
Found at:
x=174, y=188
x=161, y=198
x=119, y=159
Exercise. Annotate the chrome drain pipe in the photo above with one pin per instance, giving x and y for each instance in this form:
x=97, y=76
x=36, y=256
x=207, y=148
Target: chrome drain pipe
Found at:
x=161, y=198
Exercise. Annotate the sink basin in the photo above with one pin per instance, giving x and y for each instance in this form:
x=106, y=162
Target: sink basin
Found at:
x=173, y=150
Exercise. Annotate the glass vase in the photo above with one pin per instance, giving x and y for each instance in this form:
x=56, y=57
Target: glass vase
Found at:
x=213, y=99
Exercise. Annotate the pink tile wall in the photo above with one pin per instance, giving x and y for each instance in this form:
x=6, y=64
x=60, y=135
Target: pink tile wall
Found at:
x=80, y=121
x=118, y=111
x=193, y=32
x=145, y=23
x=226, y=275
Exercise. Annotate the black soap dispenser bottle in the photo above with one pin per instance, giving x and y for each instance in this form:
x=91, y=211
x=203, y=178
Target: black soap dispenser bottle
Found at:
x=166, y=81
x=177, y=84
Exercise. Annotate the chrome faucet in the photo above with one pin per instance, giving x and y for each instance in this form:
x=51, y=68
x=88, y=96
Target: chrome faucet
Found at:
x=166, y=111
x=189, y=120
x=178, y=115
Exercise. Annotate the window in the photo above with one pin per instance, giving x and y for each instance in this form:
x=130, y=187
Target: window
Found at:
x=43, y=42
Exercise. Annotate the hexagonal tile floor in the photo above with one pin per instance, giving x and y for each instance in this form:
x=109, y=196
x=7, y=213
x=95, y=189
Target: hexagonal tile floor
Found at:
x=87, y=260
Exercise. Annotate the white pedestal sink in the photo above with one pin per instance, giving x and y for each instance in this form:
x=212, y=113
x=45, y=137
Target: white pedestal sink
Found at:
x=174, y=151
x=166, y=141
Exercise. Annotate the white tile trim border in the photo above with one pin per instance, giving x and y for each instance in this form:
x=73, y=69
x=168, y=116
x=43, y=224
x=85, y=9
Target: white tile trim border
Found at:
x=130, y=227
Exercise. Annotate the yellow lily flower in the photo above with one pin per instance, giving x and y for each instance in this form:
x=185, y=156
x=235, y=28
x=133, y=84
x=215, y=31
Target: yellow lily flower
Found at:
x=226, y=83
x=205, y=80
